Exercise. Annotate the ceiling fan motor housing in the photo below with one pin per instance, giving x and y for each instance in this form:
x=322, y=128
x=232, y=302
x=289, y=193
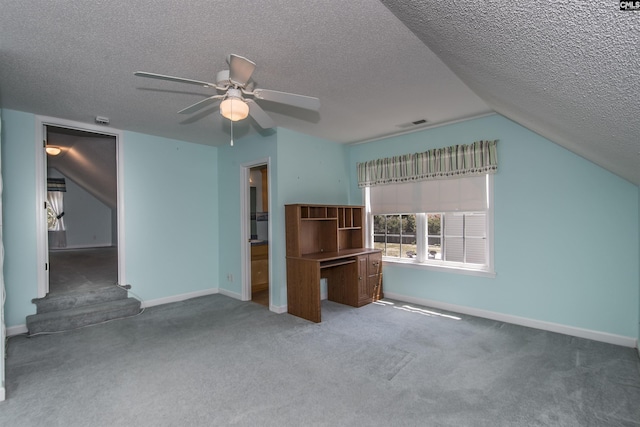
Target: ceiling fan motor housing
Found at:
x=222, y=78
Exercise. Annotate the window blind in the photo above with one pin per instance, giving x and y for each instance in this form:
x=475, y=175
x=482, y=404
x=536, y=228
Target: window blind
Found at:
x=442, y=195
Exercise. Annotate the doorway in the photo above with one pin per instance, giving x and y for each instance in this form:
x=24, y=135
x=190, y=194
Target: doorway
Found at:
x=81, y=247
x=256, y=229
x=81, y=210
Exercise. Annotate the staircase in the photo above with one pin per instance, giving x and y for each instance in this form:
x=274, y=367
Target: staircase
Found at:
x=74, y=309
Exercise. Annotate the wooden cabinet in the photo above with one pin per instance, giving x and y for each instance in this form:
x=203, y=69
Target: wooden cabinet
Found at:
x=327, y=241
x=369, y=278
x=259, y=267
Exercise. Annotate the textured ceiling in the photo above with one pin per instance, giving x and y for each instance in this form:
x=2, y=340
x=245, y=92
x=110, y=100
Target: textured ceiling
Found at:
x=566, y=70
x=76, y=59
x=569, y=71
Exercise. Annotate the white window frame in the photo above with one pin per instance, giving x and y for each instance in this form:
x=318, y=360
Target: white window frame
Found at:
x=422, y=261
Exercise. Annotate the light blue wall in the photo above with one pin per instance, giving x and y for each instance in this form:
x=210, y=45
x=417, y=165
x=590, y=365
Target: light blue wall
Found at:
x=171, y=221
x=566, y=233
x=303, y=169
x=312, y=170
x=19, y=214
x=171, y=224
x=230, y=159
x=87, y=220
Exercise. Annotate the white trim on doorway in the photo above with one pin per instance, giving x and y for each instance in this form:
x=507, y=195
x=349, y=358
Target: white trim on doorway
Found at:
x=245, y=233
x=41, y=196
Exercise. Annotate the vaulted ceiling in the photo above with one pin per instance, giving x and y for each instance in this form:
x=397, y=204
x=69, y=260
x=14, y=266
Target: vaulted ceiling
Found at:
x=566, y=70
x=88, y=159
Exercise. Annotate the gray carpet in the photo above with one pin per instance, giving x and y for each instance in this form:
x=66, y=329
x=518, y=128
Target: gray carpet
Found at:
x=82, y=291
x=216, y=361
x=82, y=269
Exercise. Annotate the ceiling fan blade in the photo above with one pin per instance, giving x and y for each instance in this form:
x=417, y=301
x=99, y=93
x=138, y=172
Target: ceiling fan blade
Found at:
x=201, y=104
x=240, y=69
x=306, y=102
x=173, y=79
x=259, y=115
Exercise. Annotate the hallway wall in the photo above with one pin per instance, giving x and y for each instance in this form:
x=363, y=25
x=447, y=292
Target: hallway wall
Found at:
x=88, y=221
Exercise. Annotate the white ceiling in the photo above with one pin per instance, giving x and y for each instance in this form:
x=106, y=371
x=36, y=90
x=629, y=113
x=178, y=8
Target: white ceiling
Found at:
x=566, y=70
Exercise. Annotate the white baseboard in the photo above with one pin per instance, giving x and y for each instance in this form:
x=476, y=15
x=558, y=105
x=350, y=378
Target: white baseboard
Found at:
x=274, y=308
x=522, y=321
x=17, y=330
x=279, y=309
x=230, y=294
x=177, y=298
x=86, y=246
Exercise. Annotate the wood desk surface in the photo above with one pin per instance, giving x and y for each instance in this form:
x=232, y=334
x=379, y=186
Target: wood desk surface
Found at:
x=328, y=256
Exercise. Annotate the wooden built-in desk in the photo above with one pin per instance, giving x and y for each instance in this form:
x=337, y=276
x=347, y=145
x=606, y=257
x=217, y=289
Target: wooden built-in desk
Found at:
x=353, y=278
x=326, y=242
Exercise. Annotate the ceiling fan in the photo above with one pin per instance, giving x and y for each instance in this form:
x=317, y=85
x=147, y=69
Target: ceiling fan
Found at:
x=238, y=95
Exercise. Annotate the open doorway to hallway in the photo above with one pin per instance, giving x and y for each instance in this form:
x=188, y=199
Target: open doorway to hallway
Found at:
x=82, y=218
x=259, y=233
x=85, y=260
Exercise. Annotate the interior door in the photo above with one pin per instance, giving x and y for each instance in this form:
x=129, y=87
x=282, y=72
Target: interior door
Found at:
x=46, y=208
x=2, y=327
x=255, y=233
x=259, y=237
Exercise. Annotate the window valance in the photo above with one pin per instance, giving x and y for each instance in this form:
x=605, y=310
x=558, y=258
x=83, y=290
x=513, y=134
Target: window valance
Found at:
x=478, y=158
x=56, y=184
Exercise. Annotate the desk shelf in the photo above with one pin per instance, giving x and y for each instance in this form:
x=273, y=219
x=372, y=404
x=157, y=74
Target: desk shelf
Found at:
x=323, y=228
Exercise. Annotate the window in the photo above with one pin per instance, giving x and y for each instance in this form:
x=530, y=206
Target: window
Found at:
x=433, y=208
x=440, y=223
x=395, y=235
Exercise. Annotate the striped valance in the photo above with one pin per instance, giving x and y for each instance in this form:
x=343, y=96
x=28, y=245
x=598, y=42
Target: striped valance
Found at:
x=458, y=160
x=56, y=184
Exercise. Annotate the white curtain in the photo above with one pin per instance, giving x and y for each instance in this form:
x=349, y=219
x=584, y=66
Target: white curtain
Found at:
x=55, y=219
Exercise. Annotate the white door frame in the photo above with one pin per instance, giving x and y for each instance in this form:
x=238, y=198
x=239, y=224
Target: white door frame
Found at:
x=2, y=289
x=245, y=226
x=42, y=241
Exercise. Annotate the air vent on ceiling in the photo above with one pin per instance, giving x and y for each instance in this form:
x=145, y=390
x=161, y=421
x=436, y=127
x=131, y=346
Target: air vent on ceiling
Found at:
x=412, y=124
x=102, y=120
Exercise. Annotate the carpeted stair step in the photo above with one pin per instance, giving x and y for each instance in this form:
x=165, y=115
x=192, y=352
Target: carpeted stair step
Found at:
x=67, y=300
x=77, y=317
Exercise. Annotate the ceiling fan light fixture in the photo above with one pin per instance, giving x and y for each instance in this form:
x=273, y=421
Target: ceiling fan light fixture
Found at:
x=231, y=86
x=53, y=151
x=234, y=109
